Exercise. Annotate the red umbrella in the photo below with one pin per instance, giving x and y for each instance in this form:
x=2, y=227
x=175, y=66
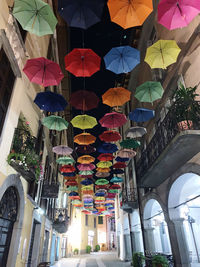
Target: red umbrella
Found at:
x=105, y=157
x=82, y=62
x=70, y=178
x=85, y=149
x=110, y=136
x=86, y=167
x=115, y=186
x=43, y=71
x=74, y=197
x=119, y=165
x=86, y=176
x=105, y=186
x=84, y=100
x=113, y=120
x=67, y=168
x=72, y=183
x=111, y=195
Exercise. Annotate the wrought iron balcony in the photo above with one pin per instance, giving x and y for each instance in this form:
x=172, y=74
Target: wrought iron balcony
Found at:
x=129, y=199
x=60, y=223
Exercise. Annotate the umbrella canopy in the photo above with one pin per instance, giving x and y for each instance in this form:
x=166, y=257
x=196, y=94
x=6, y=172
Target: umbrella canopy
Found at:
x=72, y=188
x=80, y=15
x=69, y=174
x=103, y=169
x=104, y=164
x=111, y=195
x=87, y=182
x=84, y=139
x=121, y=159
x=130, y=143
x=102, y=182
x=73, y=194
x=72, y=183
x=177, y=14
x=51, y=102
x=162, y=54
x=116, y=96
x=117, y=171
x=70, y=178
x=35, y=16
x=141, y=114
x=129, y=13
x=119, y=165
x=67, y=168
x=116, y=180
x=85, y=149
x=113, y=120
x=65, y=160
x=84, y=100
x=84, y=122
x=89, y=172
x=62, y=150
x=100, y=194
x=110, y=136
x=135, y=132
x=86, y=159
x=87, y=176
x=55, y=123
x=86, y=167
x=105, y=186
x=122, y=59
x=43, y=71
x=105, y=157
x=76, y=202
x=107, y=148
x=126, y=153
x=82, y=62
x=149, y=92
x=102, y=174
x=115, y=186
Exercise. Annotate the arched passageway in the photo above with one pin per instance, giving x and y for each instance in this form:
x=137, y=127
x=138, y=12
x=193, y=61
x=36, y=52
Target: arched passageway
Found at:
x=136, y=232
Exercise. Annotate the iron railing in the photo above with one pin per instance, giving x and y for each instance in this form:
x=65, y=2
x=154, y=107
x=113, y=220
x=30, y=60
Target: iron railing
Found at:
x=129, y=195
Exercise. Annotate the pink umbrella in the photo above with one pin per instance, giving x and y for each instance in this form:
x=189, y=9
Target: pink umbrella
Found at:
x=43, y=71
x=86, y=167
x=175, y=14
x=126, y=153
x=62, y=150
x=113, y=120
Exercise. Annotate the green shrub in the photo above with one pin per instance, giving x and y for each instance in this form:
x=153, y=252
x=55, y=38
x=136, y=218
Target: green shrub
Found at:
x=138, y=259
x=159, y=260
x=75, y=251
x=88, y=249
x=97, y=248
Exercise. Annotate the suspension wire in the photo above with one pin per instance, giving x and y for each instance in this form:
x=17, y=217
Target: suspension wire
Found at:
x=154, y=215
x=183, y=203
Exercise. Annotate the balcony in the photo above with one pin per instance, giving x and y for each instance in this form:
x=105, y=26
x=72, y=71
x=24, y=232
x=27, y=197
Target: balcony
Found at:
x=129, y=199
x=169, y=149
x=60, y=223
x=23, y=157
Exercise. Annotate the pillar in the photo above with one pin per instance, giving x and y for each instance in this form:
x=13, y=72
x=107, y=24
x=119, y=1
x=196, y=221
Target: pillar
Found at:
x=127, y=245
x=149, y=239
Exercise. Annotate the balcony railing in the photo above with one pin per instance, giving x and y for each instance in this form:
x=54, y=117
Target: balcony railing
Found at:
x=129, y=199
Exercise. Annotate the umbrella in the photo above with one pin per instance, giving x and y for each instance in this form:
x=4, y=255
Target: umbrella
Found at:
x=87, y=187
x=72, y=188
x=55, y=123
x=102, y=174
x=74, y=197
x=82, y=62
x=70, y=178
x=149, y=92
x=100, y=194
x=105, y=186
x=121, y=159
x=102, y=182
x=62, y=150
x=72, y=183
x=103, y=169
x=50, y=101
x=87, y=191
x=141, y=114
x=67, y=168
x=65, y=160
x=122, y=59
x=117, y=171
x=116, y=180
x=35, y=16
x=135, y=132
x=84, y=122
x=115, y=186
x=105, y=157
x=86, y=167
x=119, y=165
x=130, y=143
x=85, y=149
x=43, y=71
x=85, y=172
x=73, y=194
x=84, y=139
x=177, y=14
x=110, y=136
x=104, y=164
x=86, y=176
x=69, y=174
x=126, y=153
x=110, y=201
x=107, y=148
x=162, y=54
x=129, y=13
x=86, y=159
x=79, y=14
x=113, y=120
x=100, y=198
x=84, y=100
x=87, y=182
x=111, y=195
x=76, y=202
x=113, y=191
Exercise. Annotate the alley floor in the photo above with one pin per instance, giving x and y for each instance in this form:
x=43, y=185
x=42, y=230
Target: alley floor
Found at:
x=98, y=259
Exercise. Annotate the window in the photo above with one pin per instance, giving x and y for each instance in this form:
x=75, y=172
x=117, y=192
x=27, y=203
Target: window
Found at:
x=100, y=219
x=86, y=220
x=95, y=222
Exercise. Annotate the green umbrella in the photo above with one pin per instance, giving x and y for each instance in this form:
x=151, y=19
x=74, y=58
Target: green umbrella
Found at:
x=65, y=160
x=72, y=188
x=101, y=182
x=130, y=143
x=35, y=16
x=76, y=202
x=55, y=123
x=113, y=191
x=149, y=91
x=85, y=172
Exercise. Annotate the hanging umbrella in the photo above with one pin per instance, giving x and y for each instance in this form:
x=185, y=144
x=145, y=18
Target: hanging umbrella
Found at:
x=141, y=114
x=149, y=92
x=107, y=148
x=67, y=168
x=130, y=143
x=87, y=182
x=50, y=101
x=121, y=59
x=135, y=132
x=87, y=176
x=105, y=157
x=126, y=153
x=84, y=122
x=110, y=136
x=119, y=165
x=177, y=14
x=74, y=197
x=86, y=159
x=116, y=180
x=43, y=71
x=113, y=191
x=103, y=169
x=79, y=14
x=62, y=150
x=102, y=174
x=110, y=201
x=104, y=164
x=55, y=123
x=105, y=186
x=86, y=167
x=65, y=160
x=72, y=188
x=129, y=13
x=121, y=159
x=113, y=120
x=117, y=171
x=162, y=54
x=82, y=62
x=87, y=187
x=85, y=149
x=84, y=100
x=73, y=194
x=111, y=195
x=69, y=174
x=100, y=194
x=100, y=198
x=85, y=172
x=84, y=139
x=72, y=183
x=35, y=16
x=71, y=178
x=115, y=186
x=102, y=182
x=76, y=202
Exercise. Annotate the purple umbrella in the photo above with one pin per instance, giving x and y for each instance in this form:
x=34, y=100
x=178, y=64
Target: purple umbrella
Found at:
x=86, y=167
x=62, y=150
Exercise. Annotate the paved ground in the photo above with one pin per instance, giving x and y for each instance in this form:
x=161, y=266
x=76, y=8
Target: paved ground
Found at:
x=99, y=259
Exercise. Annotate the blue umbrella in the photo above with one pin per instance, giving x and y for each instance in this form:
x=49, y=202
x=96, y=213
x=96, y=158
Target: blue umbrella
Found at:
x=79, y=13
x=121, y=159
x=107, y=204
x=73, y=194
x=50, y=101
x=107, y=148
x=69, y=174
x=141, y=114
x=87, y=182
x=122, y=59
x=117, y=171
x=100, y=194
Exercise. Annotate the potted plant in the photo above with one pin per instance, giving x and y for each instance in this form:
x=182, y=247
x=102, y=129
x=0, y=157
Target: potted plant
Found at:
x=76, y=251
x=138, y=259
x=88, y=249
x=159, y=261
x=97, y=248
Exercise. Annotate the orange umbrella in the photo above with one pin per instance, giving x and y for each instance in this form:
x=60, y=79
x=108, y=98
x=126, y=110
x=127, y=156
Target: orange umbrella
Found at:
x=116, y=96
x=103, y=169
x=86, y=159
x=129, y=13
x=84, y=139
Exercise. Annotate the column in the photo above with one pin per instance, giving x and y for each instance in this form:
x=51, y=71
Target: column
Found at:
x=150, y=241
x=127, y=243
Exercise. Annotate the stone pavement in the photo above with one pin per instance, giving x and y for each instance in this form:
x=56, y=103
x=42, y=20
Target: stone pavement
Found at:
x=95, y=259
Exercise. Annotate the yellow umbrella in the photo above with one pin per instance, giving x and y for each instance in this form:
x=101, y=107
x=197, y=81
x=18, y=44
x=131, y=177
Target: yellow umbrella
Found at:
x=87, y=187
x=84, y=122
x=84, y=139
x=162, y=54
x=104, y=164
x=100, y=198
x=86, y=159
x=103, y=169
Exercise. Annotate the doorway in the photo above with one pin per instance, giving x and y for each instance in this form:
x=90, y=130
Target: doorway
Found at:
x=46, y=245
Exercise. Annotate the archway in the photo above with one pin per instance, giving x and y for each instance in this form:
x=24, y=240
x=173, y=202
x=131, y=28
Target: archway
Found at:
x=136, y=232
x=184, y=211
x=156, y=230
